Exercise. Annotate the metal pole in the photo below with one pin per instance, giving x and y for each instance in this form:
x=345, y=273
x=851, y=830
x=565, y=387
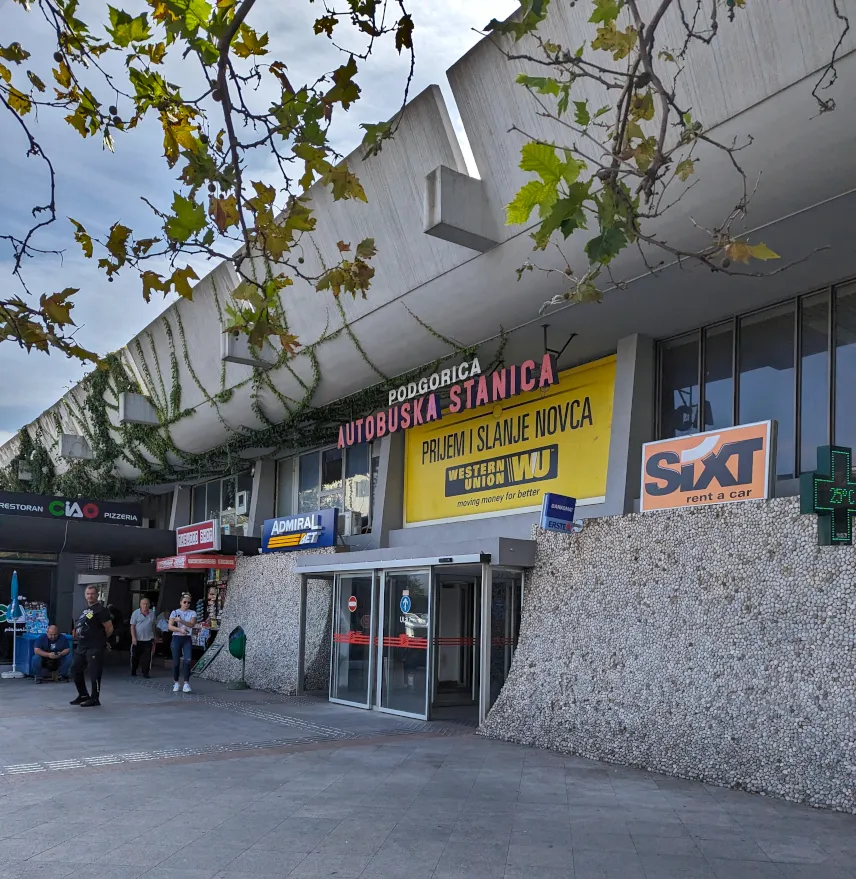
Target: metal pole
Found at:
x=301, y=636
x=484, y=646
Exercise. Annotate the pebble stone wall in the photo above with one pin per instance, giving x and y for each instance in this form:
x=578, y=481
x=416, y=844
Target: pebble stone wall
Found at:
x=263, y=597
x=716, y=643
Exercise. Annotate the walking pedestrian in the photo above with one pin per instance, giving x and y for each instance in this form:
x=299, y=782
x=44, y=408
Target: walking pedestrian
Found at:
x=181, y=624
x=143, y=636
x=92, y=630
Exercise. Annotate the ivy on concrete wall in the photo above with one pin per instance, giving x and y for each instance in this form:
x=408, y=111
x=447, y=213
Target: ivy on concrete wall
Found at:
x=150, y=448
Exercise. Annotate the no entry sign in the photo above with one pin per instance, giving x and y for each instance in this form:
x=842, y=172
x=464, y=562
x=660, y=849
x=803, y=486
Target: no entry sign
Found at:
x=352, y=603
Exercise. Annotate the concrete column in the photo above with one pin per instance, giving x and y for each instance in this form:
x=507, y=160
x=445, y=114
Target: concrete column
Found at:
x=263, y=500
x=388, y=505
x=632, y=422
x=180, y=515
x=62, y=610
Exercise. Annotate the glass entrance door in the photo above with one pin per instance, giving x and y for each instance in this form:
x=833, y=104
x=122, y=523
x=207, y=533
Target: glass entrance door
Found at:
x=505, y=609
x=403, y=654
x=353, y=635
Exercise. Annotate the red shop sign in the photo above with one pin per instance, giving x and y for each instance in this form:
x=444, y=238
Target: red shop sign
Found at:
x=199, y=537
x=195, y=563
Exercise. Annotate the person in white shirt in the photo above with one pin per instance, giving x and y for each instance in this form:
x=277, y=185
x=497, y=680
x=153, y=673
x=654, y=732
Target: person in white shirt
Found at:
x=181, y=624
x=143, y=637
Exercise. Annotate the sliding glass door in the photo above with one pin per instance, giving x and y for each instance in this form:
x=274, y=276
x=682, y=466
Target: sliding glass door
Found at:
x=353, y=636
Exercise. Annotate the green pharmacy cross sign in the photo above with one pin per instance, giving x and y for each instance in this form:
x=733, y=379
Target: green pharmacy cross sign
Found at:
x=831, y=493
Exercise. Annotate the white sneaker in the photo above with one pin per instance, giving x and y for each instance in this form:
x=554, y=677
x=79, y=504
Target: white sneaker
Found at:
x=186, y=689
x=175, y=688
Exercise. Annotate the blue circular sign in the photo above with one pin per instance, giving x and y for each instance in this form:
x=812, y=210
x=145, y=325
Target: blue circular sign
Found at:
x=404, y=604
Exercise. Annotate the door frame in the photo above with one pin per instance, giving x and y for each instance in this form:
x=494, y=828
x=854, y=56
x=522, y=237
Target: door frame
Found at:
x=337, y=587
x=429, y=669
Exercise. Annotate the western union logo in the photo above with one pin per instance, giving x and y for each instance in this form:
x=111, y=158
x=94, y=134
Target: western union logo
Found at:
x=505, y=470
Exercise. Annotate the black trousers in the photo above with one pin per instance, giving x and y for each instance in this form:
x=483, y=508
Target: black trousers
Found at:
x=89, y=659
x=141, y=657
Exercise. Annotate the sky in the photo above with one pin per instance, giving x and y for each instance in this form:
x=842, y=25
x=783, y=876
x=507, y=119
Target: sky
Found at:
x=99, y=188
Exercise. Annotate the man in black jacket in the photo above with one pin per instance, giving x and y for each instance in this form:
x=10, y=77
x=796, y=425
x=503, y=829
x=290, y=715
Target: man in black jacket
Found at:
x=92, y=629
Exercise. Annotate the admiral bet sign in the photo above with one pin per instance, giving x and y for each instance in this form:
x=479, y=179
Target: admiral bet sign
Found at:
x=717, y=467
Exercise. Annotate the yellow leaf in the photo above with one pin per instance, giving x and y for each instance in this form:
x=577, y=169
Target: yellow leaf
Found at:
x=181, y=281
x=19, y=102
x=82, y=237
x=62, y=75
x=738, y=251
x=224, y=212
x=762, y=252
x=117, y=242
x=5, y=73
x=685, y=168
x=152, y=281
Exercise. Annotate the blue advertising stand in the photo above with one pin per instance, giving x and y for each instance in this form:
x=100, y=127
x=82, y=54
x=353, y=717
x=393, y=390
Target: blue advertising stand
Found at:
x=557, y=513
x=303, y=531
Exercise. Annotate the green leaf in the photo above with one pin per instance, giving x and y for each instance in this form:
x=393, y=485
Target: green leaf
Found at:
x=566, y=215
x=571, y=168
x=620, y=43
x=19, y=102
x=117, y=242
x=127, y=29
x=685, y=168
x=36, y=81
x=345, y=91
x=544, y=85
x=541, y=159
x=605, y=247
x=250, y=43
x=642, y=106
x=366, y=248
x=533, y=194
x=14, y=52
x=582, y=116
x=605, y=11
x=188, y=219
x=404, y=33
x=82, y=237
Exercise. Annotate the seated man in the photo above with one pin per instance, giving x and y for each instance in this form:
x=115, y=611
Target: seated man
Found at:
x=52, y=653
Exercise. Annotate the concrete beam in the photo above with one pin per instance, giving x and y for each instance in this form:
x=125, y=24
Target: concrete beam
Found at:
x=235, y=348
x=456, y=209
x=136, y=409
x=263, y=500
x=632, y=422
x=75, y=447
x=180, y=508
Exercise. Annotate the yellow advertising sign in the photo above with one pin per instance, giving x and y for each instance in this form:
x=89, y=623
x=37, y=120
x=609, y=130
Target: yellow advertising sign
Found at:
x=502, y=458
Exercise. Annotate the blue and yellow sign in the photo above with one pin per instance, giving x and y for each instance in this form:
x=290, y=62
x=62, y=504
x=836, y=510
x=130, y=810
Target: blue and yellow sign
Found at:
x=305, y=531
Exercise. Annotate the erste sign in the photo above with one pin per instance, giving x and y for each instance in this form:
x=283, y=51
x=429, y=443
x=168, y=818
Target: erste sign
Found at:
x=557, y=512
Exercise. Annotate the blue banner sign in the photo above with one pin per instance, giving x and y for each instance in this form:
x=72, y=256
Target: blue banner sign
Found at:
x=304, y=531
x=557, y=512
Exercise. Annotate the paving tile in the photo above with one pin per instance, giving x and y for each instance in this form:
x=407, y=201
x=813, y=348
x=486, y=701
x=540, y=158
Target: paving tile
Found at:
x=320, y=866
x=565, y=872
x=603, y=842
x=666, y=845
x=814, y=871
x=731, y=869
x=607, y=865
x=731, y=847
x=540, y=856
x=675, y=867
x=793, y=850
x=263, y=863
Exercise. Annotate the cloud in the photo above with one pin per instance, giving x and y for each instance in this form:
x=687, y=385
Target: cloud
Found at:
x=98, y=188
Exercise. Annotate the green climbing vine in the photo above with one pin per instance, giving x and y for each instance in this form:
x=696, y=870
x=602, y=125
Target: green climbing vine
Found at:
x=150, y=449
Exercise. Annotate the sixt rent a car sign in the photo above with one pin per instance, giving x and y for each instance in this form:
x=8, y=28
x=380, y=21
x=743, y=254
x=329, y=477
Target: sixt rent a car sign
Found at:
x=717, y=467
x=45, y=507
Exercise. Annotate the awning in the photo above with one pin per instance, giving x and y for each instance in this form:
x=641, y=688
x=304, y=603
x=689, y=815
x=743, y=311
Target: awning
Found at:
x=505, y=552
x=195, y=562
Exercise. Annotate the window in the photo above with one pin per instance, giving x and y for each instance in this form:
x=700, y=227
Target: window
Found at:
x=814, y=381
x=719, y=376
x=339, y=478
x=767, y=372
x=679, y=386
x=218, y=500
x=795, y=364
x=845, y=365
x=308, y=483
x=285, y=487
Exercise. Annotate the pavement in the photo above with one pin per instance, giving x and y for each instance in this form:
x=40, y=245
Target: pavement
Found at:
x=226, y=784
